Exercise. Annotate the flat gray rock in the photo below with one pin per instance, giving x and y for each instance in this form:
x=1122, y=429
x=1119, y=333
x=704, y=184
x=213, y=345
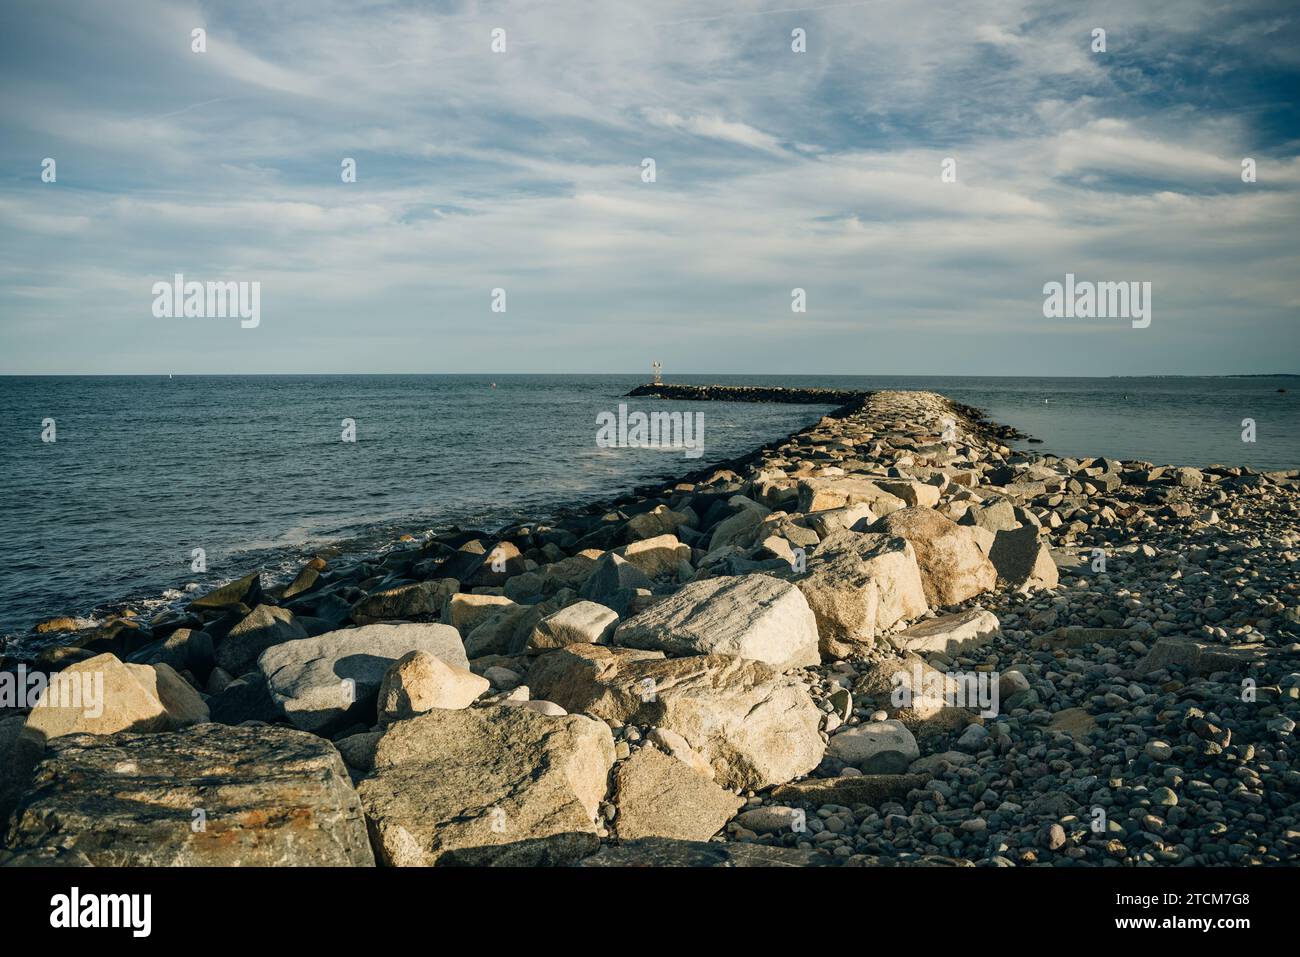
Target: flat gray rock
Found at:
x=754, y=616
x=333, y=679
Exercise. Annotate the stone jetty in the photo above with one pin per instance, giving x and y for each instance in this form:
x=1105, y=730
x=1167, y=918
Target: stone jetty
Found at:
x=886, y=639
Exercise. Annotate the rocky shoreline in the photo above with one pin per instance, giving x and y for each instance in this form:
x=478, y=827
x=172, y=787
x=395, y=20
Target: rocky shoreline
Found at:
x=885, y=640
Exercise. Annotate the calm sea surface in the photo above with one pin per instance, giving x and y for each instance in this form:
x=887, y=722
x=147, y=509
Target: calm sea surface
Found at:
x=252, y=468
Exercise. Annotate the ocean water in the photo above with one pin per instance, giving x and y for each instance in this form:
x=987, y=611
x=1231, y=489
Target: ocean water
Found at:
x=252, y=468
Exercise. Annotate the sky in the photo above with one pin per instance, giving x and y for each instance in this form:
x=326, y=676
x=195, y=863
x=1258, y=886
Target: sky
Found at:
x=775, y=170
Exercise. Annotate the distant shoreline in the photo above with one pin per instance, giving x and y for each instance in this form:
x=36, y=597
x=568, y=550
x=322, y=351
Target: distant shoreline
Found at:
x=793, y=375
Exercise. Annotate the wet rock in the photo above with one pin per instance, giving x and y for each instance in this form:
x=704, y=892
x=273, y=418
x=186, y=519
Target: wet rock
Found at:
x=245, y=591
x=262, y=628
x=420, y=600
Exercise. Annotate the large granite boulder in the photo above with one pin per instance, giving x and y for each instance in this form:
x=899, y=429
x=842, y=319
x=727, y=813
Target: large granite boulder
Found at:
x=740, y=527
x=211, y=795
x=465, y=611
x=818, y=494
x=752, y=616
x=1023, y=559
x=613, y=582
x=468, y=784
x=753, y=725
x=844, y=595
x=103, y=695
x=326, y=682
x=419, y=682
x=582, y=623
x=655, y=556
x=953, y=568
x=661, y=796
x=995, y=515
x=838, y=577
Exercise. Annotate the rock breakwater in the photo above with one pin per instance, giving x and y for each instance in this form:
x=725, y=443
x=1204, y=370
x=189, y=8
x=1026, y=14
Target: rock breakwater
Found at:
x=888, y=638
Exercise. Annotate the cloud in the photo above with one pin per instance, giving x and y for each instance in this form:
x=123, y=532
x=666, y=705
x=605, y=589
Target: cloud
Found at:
x=522, y=170
x=714, y=127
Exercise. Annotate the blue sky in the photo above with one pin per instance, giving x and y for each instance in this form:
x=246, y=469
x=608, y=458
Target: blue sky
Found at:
x=776, y=170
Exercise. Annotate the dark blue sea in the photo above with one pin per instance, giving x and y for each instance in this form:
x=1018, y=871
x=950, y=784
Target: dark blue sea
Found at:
x=252, y=468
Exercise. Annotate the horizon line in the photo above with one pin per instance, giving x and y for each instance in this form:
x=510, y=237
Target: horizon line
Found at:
x=845, y=375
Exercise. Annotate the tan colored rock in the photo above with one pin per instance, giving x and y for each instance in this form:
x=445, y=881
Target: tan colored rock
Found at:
x=889, y=562
x=1072, y=721
x=268, y=796
x=740, y=528
x=912, y=492
x=877, y=747
x=672, y=743
x=182, y=703
x=949, y=634
x=419, y=682
x=464, y=785
x=660, y=521
x=953, y=568
x=655, y=556
x=1022, y=558
x=98, y=696
x=853, y=518
x=907, y=688
x=582, y=623
x=465, y=611
x=845, y=600
x=818, y=494
x=659, y=796
x=754, y=726
x=505, y=631
x=324, y=683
